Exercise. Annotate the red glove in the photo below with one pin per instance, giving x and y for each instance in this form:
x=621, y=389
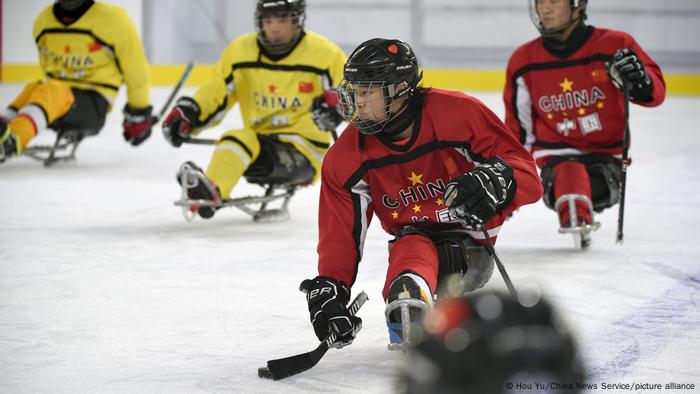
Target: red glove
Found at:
x=137, y=124
x=178, y=125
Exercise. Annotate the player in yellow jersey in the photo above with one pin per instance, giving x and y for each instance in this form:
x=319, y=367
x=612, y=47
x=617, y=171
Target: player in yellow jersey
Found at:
x=276, y=75
x=86, y=51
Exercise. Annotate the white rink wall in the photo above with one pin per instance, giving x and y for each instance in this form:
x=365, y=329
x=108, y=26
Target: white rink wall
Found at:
x=446, y=33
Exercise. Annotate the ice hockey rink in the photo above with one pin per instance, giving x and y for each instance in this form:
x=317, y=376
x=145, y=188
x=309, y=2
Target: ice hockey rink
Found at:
x=104, y=287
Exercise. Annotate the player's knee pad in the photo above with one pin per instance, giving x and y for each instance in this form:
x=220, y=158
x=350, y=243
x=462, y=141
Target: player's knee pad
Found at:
x=465, y=265
x=279, y=162
x=605, y=184
x=547, y=177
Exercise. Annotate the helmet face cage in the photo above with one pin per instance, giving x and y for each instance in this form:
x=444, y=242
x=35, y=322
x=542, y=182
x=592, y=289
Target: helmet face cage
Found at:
x=296, y=9
x=377, y=96
x=556, y=32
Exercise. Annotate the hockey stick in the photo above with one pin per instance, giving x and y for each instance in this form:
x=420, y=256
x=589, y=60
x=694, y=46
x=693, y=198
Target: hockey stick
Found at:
x=200, y=141
x=288, y=366
x=625, y=162
x=175, y=91
x=492, y=251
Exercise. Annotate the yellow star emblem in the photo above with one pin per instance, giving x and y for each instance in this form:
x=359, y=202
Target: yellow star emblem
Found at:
x=567, y=85
x=394, y=215
x=600, y=105
x=581, y=111
x=439, y=202
x=550, y=116
x=416, y=208
x=415, y=179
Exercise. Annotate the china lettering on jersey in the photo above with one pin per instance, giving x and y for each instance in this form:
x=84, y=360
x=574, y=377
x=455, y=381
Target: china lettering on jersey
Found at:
x=573, y=109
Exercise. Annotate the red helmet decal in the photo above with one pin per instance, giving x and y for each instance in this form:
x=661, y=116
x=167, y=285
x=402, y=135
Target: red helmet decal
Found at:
x=392, y=48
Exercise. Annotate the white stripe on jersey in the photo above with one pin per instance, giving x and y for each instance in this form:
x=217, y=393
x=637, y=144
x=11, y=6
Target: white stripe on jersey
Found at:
x=303, y=142
x=361, y=189
x=562, y=152
x=235, y=148
x=524, y=103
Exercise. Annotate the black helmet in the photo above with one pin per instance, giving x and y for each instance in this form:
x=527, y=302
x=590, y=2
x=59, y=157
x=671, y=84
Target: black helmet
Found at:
x=555, y=33
x=386, y=63
x=479, y=343
x=294, y=8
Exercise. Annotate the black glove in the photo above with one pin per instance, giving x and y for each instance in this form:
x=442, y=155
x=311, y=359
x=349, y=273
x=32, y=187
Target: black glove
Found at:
x=627, y=68
x=179, y=123
x=477, y=195
x=9, y=145
x=328, y=300
x=137, y=124
x=324, y=111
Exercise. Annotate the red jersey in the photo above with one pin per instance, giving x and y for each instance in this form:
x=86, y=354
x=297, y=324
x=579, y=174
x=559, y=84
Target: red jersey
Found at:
x=403, y=184
x=567, y=105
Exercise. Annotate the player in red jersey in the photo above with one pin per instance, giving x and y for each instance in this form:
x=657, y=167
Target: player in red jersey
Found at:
x=564, y=101
x=436, y=167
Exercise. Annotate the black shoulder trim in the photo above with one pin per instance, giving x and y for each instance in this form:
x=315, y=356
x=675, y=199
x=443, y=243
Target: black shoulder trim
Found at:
x=596, y=57
x=282, y=67
x=406, y=157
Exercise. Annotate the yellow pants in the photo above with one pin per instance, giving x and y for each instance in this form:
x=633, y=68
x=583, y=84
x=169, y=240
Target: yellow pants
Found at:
x=236, y=150
x=38, y=105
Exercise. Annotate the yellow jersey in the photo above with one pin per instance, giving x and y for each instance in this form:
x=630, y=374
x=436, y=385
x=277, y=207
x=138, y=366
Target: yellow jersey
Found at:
x=99, y=51
x=274, y=96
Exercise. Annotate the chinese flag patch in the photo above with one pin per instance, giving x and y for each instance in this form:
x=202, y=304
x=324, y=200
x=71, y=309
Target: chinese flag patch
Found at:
x=94, y=46
x=599, y=75
x=306, y=87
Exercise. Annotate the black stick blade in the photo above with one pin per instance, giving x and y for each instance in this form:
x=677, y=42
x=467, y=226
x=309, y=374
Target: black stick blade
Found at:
x=288, y=366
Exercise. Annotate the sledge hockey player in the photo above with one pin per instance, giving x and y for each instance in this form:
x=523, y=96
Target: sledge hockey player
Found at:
x=564, y=100
x=86, y=50
x=482, y=342
x=436, y=167
x=276, y=75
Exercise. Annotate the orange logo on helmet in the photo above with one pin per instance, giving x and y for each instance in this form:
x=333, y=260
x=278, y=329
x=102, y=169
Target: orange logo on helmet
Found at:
x=393, y=49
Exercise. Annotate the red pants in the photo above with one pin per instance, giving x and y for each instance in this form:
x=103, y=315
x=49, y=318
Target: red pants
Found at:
x=571, y=177
x=414, y=253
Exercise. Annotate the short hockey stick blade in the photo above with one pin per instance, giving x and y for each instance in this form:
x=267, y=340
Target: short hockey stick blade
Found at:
x=288, y=366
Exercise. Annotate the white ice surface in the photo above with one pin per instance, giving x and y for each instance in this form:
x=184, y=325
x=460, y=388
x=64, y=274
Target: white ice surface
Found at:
x=105, y=288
